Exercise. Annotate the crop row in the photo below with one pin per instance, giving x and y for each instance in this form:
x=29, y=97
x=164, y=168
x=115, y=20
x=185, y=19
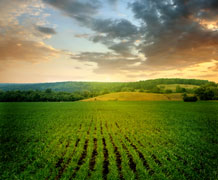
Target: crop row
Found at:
x=105, y=141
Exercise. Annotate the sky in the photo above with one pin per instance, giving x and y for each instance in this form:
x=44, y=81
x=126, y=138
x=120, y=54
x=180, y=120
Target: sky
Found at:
x=107, y=40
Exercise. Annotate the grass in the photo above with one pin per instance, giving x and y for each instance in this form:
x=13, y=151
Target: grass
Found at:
x=109, y=140
x=137, y=96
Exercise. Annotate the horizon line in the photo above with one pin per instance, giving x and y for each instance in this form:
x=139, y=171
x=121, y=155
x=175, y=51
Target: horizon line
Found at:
x=87, y=81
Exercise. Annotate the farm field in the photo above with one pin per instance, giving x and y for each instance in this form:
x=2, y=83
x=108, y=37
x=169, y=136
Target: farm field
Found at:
x=109, y=140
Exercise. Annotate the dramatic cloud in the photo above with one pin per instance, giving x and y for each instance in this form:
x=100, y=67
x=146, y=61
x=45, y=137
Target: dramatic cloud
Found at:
x=10, y=10
x=113, y=2
x=124, y=48
x=46, y=30
x=107, y=62
x=174, y=33
x=154, y=38
x=214, y=68
x=22, y=50
x=24, y=41
x=108, y=31
x=115, y=28
x=118, y=35
x=81, y=11
x=82, y=35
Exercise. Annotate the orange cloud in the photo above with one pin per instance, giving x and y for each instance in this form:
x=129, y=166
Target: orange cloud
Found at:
x=23, y=41
x=24, y=50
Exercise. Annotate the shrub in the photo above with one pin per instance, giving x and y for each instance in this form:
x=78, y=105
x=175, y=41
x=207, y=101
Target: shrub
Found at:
x=190, y=98
x=168, y=91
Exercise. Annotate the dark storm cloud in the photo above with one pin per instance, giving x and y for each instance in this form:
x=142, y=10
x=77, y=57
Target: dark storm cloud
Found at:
x=81, y=11
x=107, y=62
x=174, y=35
x=46, y=30
x=124, y=48
x=112, y=30
x=121, y=28
x=117, y=35
x=112, y=1
x=84, y=35
x=84, y=13
x=108, y=30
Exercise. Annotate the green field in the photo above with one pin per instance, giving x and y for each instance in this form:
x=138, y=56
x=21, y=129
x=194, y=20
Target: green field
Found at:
x=109, y=140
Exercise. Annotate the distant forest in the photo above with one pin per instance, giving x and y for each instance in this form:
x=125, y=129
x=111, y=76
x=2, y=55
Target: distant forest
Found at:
x=100, y=86
x=73, y=91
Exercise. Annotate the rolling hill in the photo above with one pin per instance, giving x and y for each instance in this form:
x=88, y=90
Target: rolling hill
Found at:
x=136, y=96
x=103, y=87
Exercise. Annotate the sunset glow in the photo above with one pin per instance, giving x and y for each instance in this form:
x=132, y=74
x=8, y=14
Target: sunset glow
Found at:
x=112, y=40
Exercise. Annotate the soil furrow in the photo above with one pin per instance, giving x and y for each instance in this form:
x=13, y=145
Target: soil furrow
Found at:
x=117, y=125
x=118, y=157
x=60, y=161
x=168, y=158
x=156, y=160
x=131, y=162
x=141, y=156
x=106, y=161
x=58, y=164
x=94, y=154
x=181, y=159
x=101, y=128
x=61, y=171
x=81, y=159
x=83, y=155
x=117, y=154
x=106, y=155
x=93, y=158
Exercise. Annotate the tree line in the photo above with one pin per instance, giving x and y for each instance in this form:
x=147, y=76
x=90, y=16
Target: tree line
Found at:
x=206, y=91
x=43, y=96
x=149, y=85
